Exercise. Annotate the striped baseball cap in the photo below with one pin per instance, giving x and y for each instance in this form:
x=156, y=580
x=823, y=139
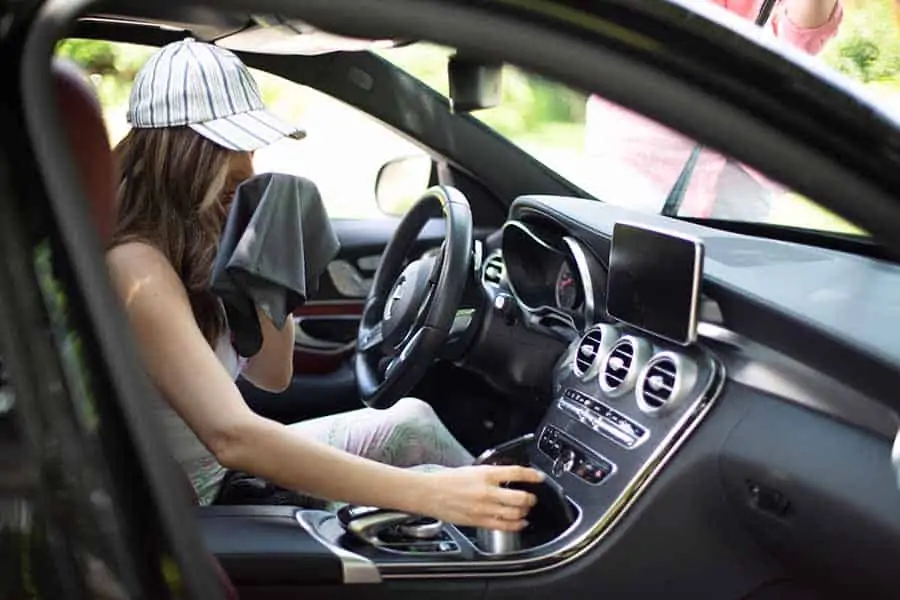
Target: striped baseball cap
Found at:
x=207, y=88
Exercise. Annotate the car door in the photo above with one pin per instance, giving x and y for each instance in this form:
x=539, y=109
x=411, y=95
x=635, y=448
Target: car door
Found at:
x=344, y=154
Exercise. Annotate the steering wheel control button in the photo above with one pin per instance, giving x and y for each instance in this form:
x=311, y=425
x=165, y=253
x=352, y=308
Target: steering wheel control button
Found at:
x=405, y=300
x=506, y=306
x=603, y=419
x=568, y=456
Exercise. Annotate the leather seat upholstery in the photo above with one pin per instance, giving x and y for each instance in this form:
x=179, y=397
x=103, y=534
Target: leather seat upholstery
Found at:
x=85, y=130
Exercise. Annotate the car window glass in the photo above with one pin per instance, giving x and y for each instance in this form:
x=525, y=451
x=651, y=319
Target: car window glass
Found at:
x=341, y=153
x=623, y=158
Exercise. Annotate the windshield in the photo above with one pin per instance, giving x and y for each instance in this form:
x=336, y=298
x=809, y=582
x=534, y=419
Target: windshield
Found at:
x=620, y=157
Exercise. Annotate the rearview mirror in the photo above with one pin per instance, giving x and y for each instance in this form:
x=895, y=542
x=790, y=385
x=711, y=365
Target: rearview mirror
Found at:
x=400, y=182
x=475, y=84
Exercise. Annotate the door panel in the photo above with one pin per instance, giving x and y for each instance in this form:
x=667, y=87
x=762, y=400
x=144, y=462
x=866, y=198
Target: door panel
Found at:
x=325, y=327
x=362, y=242
x=324, y=335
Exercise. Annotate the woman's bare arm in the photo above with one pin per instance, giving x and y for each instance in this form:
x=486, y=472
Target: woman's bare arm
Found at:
x=272, y=368
x=190, y=377
x=810, y=14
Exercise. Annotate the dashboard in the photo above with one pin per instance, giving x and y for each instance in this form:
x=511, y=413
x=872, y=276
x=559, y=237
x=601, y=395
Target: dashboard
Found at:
x=770, y=390
x=729, y=436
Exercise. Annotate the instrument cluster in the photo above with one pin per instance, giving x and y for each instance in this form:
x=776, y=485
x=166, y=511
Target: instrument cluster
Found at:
x=548, y=270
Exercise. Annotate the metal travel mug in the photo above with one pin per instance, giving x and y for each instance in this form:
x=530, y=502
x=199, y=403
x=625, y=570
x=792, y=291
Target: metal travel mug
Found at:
x=494, y=541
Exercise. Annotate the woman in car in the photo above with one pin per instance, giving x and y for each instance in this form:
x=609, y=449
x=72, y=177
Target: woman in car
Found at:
x=196, y=117
x=628, y=147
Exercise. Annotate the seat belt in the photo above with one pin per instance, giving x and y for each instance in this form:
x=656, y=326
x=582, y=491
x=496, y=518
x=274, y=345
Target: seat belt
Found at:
x=675, y=197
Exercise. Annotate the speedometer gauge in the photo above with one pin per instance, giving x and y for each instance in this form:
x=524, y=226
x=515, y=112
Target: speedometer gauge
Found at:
x=568, y=294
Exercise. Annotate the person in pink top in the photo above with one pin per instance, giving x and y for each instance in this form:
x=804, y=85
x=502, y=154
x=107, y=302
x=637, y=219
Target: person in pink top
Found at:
x=624, y=144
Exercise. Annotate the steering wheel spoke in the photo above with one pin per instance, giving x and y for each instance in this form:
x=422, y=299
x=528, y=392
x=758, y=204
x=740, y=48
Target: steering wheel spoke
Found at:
x=371, y=338
x=411, y=309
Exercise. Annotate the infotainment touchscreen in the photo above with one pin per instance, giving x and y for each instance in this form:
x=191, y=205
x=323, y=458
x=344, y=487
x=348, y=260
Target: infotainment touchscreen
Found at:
x=654, y=281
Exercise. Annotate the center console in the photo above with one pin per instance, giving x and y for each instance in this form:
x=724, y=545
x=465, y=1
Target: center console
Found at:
x=622, y=406
x=623, y=401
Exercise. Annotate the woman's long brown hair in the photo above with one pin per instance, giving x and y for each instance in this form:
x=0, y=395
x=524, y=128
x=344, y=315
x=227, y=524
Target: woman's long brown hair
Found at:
x=175, y=188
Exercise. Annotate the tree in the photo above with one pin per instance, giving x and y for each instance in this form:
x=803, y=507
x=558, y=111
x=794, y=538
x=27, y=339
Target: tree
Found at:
x=868, y=45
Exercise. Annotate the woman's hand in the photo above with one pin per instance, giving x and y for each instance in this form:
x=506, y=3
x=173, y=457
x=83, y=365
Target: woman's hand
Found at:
x=474, y=496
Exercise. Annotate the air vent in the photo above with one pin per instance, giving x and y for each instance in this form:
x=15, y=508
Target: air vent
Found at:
x=493, y=271
x=659, y=383
x=591, y=348
x=663, y=382
x=622, y=364
x=619, y=364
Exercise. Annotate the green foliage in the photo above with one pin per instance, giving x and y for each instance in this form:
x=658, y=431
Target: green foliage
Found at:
x=111, y=66
x=868, y=45
x=528, y=101
x=866, y=48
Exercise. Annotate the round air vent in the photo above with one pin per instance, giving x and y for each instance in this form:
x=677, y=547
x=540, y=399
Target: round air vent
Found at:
x=664, y=382
x=592, y=347
x=622, y=365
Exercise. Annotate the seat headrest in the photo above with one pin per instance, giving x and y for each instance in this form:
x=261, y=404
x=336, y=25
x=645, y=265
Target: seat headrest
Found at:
x=85, y=131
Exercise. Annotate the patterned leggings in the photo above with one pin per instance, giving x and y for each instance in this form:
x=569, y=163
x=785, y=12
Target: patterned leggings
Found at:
x=409, y=434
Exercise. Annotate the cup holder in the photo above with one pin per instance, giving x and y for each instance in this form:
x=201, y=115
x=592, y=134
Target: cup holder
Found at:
x=551, y=517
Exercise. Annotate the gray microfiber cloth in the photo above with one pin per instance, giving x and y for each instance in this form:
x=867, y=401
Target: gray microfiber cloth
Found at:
x=277, y=242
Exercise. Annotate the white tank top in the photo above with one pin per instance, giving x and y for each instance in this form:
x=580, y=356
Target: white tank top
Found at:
x=198, y=462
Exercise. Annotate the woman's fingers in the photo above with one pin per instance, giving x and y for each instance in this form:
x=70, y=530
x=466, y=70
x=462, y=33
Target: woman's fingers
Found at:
x=516, y=498
x=506, y=513
x=503, y=524
x=499, y=475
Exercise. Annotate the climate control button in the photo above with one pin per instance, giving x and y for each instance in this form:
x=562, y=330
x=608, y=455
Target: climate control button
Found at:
x=568, y=457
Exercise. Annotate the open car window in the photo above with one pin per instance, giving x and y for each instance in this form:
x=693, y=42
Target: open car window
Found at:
x=342, y=152
x=623, y=158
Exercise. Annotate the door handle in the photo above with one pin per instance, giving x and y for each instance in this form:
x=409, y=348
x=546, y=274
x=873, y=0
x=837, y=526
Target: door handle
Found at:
x=347, y=279
x=303, y=338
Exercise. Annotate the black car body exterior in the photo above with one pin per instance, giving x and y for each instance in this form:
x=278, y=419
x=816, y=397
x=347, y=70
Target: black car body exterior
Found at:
x=773, y=478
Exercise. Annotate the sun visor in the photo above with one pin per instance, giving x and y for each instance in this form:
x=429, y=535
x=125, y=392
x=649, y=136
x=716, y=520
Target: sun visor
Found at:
x=277, y=35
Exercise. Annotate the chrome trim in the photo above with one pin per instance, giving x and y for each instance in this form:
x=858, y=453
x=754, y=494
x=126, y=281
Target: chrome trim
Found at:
x=609, y=335
x=477, y=255
x=308, y=342
x=506, y=447
x=895, y=457
x=642, y=353
x=697, y=278
x=496, y=254
x=355, y=568
x=535, y=310
x=768, y=370
x=685, y=377
x=423, y=531
x=572, y=526
x=579, y=546
x=584, y=274
x=524, y=228
x=347, y=279
x=600, y=425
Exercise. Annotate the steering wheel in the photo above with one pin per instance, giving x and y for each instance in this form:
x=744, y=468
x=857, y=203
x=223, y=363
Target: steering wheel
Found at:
x=409, y=310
